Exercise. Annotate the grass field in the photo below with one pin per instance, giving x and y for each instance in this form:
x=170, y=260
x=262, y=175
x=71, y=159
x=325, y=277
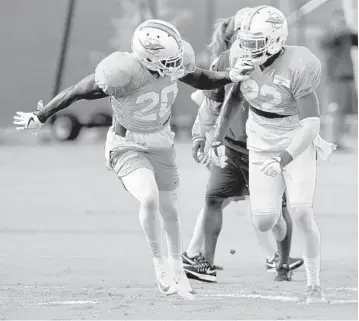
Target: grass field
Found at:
x=71, y=246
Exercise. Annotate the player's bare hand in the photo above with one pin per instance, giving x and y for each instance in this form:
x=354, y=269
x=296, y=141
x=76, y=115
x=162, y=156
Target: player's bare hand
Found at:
x=241, y=71
x=28, y=120
x=198, y=149
x=270, y=166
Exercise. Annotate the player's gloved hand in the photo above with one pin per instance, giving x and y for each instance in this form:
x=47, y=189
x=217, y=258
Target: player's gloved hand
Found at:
x=198, y=149
x=28, y=120
x=217, y=154
x=270, y=166
x=240, y=72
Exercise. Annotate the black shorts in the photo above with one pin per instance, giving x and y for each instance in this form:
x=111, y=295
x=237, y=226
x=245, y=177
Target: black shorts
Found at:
x=232, y=180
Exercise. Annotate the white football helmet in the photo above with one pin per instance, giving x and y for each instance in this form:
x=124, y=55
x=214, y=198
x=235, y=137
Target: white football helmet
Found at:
x=158, y=46
x=262, y=33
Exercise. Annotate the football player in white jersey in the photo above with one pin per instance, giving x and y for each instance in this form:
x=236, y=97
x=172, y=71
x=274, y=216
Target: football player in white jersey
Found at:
x=283, y=131
x=142, y=86
x=229, y=183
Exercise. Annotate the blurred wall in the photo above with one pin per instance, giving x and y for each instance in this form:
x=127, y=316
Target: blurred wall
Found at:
x=31, y=31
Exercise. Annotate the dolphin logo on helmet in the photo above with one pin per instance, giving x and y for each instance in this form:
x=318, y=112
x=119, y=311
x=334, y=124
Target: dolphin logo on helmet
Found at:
x=152, y=46
x=275, y=20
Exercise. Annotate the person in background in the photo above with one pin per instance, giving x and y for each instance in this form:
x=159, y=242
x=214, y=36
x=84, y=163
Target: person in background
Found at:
x=337, y=43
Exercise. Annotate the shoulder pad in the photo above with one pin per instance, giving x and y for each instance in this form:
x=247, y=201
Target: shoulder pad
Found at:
x=301, y=58
x=306, y=71
x=115, y=71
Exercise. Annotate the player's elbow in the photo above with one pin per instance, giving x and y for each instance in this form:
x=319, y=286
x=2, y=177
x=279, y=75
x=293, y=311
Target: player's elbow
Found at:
x=312, y=125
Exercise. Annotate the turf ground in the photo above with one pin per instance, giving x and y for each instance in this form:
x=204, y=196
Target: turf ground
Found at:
x=71, y=246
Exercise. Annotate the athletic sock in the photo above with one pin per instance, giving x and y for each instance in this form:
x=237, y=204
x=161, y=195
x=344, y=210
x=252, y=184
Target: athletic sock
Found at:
x=312, y=267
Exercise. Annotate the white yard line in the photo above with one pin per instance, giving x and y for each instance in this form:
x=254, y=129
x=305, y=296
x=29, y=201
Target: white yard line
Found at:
x=249, y=296
x=66, y=302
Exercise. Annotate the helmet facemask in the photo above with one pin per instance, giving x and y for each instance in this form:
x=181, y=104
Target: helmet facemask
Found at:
x=254, y=47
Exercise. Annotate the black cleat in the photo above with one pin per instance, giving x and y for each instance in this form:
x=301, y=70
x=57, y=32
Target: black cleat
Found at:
x=186, y=260
x=293, y=262
x=201, y=271
x=271, y=264
x=284, y=273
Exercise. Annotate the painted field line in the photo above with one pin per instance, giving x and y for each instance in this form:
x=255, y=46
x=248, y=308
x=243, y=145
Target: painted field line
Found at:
x=342, y=301
x=30, y=256
x=353, y=288
x=269, y=297
x=250, y=296
x=66, y=302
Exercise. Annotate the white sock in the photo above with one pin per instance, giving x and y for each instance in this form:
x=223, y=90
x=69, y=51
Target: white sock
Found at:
x=195, y=246
x=150, y=222
x=173, y=230
x=312, y=267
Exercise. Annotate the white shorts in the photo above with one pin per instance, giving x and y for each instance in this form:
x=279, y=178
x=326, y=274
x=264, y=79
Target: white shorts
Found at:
x=298, y=181
x=154, y=151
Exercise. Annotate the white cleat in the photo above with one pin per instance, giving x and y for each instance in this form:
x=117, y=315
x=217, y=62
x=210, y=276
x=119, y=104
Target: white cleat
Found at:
x=314, y=294
x=164, y=280
x=182, y=287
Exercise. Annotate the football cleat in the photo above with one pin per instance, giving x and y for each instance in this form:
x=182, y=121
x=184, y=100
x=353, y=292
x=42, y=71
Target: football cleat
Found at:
x=186, y=260
x=201, y=271
x=271, y=264
x=314, y=294
x=293, y=262
x=163, y=279
x=182, y=287
x=284, y=273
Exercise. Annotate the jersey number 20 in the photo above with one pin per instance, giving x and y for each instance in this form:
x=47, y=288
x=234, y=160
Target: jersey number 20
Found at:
x=151, y=112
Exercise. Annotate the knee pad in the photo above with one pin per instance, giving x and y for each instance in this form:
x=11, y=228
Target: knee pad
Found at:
x=264, y=220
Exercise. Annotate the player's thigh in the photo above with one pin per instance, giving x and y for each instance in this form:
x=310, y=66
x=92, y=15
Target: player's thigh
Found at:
x=266, y=192
x=165, y=168
x=142, y=185
x=136, y=172
x=300, y=178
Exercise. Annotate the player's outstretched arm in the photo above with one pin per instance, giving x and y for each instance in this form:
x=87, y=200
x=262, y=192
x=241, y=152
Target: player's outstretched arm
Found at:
x=207, y=79
x=85, y=89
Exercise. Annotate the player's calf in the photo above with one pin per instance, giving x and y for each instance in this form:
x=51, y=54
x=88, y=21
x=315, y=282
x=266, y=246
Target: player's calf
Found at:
x=304, y=216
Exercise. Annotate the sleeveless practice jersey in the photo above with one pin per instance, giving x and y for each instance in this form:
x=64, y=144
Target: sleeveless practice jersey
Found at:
x=294, y=74
x=140, y=102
